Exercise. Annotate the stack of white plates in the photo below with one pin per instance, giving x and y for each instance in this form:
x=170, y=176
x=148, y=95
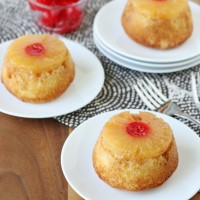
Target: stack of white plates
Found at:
x=112, y=41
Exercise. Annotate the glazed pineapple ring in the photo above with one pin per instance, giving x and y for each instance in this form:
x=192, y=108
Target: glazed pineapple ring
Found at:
x=160, y=9
x=37, y=68
x=135, y=152
x=159, y=24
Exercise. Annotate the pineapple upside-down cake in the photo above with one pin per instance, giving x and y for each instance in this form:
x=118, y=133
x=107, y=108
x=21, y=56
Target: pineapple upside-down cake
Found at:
x=135, y=151
x=159, y=24
x=37, y=68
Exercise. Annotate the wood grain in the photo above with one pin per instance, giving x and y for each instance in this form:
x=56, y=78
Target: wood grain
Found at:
x=30, y=167
x=30, y=159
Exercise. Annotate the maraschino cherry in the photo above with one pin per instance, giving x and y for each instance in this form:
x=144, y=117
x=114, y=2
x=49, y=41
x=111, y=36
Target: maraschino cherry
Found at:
x=137, y=129
x=35, y=49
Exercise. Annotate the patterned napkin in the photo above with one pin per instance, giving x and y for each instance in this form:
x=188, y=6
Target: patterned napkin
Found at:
x=117, y=92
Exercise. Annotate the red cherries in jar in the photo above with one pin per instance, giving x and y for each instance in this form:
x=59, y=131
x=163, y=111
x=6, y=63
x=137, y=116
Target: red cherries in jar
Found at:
x=58, y=16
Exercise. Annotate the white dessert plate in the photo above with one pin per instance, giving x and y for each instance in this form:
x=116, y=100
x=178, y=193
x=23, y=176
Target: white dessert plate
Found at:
x=89, y=79
x=140, y=67
x=110, y=31
x=146, y=64
x=76, y=162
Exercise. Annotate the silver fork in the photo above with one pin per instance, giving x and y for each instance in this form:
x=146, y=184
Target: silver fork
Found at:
x=156, y=101
x=195, y=83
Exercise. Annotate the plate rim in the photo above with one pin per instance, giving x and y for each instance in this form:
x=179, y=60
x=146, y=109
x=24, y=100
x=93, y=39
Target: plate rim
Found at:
x=145, y=64
x=144, y=68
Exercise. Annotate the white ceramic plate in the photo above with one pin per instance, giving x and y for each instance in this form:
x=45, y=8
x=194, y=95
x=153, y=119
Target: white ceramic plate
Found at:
x=87, y=84
x=110, y=31
x=142, y=63
x=140, y=67
x=76, y=161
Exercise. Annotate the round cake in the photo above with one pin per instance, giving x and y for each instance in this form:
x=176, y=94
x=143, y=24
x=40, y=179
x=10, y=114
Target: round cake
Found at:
x=135, y=151
x=37, y=68
x=159, y=24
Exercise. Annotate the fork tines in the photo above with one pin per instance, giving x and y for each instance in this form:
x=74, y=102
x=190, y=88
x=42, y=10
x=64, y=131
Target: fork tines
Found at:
x=151, y=96
x=195, y=83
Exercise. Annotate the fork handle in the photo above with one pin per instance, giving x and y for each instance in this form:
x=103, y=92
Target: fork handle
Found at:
x=186, y=116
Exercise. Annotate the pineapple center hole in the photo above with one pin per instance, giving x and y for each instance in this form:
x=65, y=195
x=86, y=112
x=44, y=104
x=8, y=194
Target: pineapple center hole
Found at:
x=35, y=49
x=137, y=129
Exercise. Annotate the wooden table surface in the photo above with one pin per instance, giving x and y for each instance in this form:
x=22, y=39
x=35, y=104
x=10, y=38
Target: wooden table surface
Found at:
x=30, y=166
